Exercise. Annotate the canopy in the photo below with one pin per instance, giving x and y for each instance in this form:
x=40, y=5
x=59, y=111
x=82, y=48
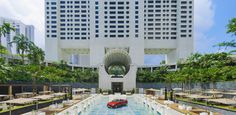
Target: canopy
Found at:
x=117, y=57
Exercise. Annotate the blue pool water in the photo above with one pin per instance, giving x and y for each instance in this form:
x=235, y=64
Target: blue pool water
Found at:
x=133, y=108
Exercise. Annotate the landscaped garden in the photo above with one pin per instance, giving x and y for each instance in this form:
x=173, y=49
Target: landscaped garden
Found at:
x=28, y=67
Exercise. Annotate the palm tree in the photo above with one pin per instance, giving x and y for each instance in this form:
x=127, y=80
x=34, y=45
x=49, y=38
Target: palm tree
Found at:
x=22, y=44
x=232, y=26
x=6, y=28
x=35, y=54
x=226, y=44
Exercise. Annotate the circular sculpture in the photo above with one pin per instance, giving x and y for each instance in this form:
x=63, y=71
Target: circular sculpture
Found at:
x=117, y=57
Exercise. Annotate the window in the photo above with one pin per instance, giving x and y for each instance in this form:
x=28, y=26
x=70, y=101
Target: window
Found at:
x=120, y=31
x=112, y=7
x=53, y=22
x=112, y=3
x=120, y=12
x=83, y=2
x=53, y=17
x=120, y=3
x=53, y=3
x=54, y=36
x=120, y=36
x=120, y=26
x=120, y=7
x=112, y=26
x=53, y=8
x=112, y=22
x=183, y=36
x=112, y=36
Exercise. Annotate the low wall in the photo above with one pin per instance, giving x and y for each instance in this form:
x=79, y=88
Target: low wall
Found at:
x=30, y=108
x=229, y=85
x=84, y=85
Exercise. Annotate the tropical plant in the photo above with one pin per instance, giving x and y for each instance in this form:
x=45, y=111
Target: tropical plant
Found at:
x=22, y=44
x=231, y=27
x=6, y=28
x=35, y=54
x=5, y=73
x=226, y=44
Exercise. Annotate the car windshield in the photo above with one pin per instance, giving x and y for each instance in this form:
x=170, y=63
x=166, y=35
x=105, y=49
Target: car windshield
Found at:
x=116, y=100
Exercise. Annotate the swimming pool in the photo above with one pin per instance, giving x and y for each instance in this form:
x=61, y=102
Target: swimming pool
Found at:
x=133, y=108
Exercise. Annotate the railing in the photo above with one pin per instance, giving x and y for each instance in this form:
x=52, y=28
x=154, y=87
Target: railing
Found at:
x=81, y=106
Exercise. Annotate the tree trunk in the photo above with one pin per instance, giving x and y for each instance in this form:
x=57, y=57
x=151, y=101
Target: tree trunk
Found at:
x=0, y=40
x=34, y=85
x=22, y=57
x=189, y=86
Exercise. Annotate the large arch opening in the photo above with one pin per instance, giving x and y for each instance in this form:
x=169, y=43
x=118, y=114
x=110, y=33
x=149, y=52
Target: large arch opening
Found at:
x=117, y=62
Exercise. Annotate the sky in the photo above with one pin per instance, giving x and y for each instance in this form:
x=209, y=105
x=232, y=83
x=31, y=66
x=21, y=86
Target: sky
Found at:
x=210, y=19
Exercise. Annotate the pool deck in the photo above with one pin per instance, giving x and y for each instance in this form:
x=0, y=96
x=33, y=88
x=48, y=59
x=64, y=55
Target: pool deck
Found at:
x=176, y=106
x=194, y=111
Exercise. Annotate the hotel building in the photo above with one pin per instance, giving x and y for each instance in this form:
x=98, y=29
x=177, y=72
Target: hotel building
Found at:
x=106, y=33
x=21, y=28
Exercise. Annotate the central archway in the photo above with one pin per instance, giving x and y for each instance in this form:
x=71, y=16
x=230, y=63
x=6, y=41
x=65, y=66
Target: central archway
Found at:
x=117, y=59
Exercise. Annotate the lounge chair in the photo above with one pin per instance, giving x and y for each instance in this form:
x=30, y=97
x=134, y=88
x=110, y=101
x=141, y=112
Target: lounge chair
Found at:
x=105, y=93
x=128, y=93
x=4, y=106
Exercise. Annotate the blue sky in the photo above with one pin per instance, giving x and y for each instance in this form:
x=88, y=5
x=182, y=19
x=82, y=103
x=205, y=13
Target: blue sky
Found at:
x=206, y=37
x=223, y=11
x=211, y=18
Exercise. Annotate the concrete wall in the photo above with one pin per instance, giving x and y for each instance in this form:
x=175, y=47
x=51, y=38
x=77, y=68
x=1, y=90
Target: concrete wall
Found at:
x=129, y=80
x=230, y=85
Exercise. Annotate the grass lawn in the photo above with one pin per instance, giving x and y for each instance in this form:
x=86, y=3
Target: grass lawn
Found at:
x=23, y=106
x=231, y=108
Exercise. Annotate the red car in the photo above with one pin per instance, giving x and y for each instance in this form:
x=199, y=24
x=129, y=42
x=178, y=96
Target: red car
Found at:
x=117, y=103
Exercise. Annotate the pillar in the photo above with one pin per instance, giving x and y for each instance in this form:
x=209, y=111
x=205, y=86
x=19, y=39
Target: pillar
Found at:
x=10, y=90
x=171, y=58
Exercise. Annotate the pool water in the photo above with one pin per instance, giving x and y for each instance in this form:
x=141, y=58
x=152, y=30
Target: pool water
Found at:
x=133, y=108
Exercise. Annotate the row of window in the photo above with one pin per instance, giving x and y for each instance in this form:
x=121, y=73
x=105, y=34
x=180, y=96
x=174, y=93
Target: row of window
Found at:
x=164, y=37
x=160, y=1
x=115, y=36
x=75, y=2
x=82, y=38
x=119, y=3
x=122, y=36
x=160, y=6
x=72, y=6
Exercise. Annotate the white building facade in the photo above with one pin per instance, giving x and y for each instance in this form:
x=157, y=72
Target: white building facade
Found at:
x=82, y=32
x=21, y=28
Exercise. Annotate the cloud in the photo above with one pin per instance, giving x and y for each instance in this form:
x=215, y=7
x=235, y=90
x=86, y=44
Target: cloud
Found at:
x=204, y=19
x=30, y=12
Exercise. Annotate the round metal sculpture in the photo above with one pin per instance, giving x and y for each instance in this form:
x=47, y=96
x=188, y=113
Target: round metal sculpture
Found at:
x=117, y=57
